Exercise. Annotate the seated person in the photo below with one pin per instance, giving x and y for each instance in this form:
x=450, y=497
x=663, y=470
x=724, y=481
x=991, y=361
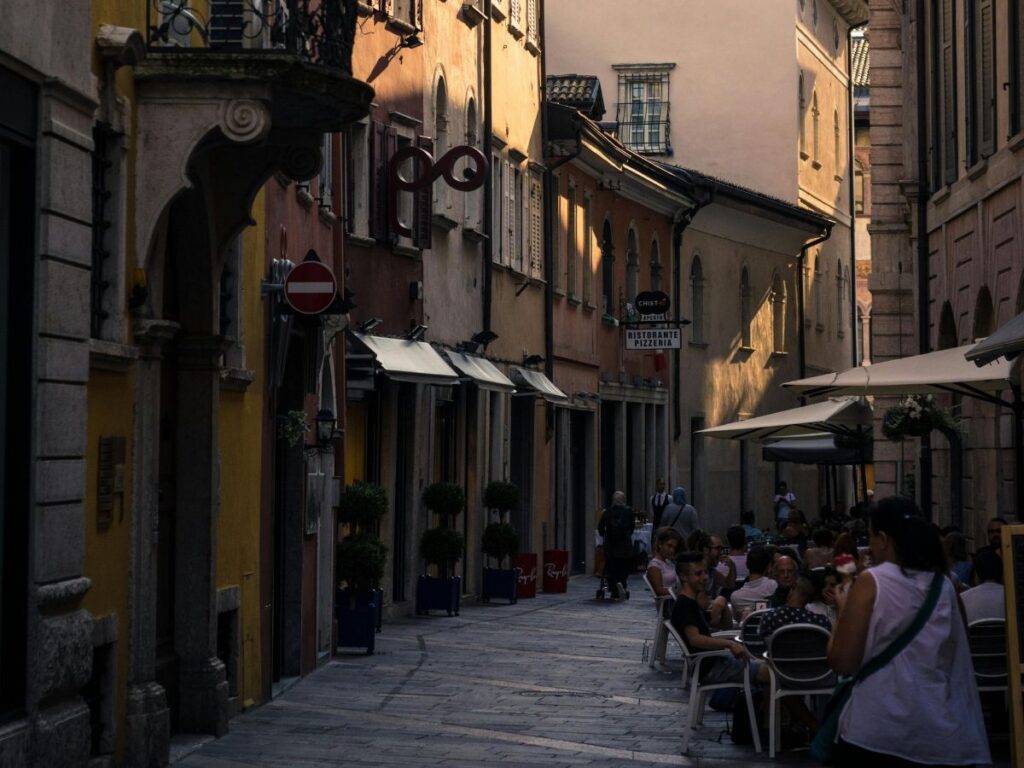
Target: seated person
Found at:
x=785, y=572
x=821, y=553
x=825, y=600
x=714, y=600
x=754, y=534
x=688, y=620
x=795, y=609
x=661, y=571
x=797, y=531
x=758, y=588
x=987, y=600
x=737, y=538
x=955, y=545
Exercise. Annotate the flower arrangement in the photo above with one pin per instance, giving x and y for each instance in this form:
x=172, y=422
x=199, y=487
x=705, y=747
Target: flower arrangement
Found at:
x=916, y=416
x=292, y=427
x=845, y=565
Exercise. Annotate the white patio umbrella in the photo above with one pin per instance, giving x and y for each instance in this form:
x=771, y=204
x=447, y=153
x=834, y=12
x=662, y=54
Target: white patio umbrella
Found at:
x=1007, y=341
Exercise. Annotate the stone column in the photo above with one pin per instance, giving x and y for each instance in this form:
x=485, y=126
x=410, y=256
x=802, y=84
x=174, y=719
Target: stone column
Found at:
x=148, y=719
x=203, y=683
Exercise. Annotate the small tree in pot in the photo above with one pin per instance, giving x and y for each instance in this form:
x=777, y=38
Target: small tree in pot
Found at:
x=360, y=559
x=443, y=547
x=501, y=542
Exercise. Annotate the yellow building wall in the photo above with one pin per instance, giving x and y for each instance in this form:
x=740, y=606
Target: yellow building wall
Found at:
x=108, y=551
x=241, y=469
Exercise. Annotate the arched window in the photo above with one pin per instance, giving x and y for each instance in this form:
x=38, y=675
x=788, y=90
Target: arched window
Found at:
x=947, y=328
x=696, y=301
x=801, y=116
x=472, y=198
x=984, y=316
x=746, y=315
x=607, y=270
x=778, y=313
x=815, y=134
x=632, y=266
x=440, y=142
x=655, y=266
x=837, y=151
x=840, y=301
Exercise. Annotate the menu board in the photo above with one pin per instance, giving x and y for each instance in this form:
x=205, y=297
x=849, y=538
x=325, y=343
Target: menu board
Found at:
x=1013, y=573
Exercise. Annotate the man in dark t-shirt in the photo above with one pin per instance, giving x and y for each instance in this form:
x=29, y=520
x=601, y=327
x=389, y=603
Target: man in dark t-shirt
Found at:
x=688, y=620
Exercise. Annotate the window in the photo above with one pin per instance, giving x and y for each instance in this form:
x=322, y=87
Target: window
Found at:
x=532, y=32
x=632, y=266
x=815, y=115
x=607, y=270
x=802, y=116
x=815, y=13
x=858, y=186
x=357, y=174
x=837, y=148
x=943, y=94
x=819, y=315
x=498, y=208
x=980, y=79
x=643, y=108
x=745, y=309
x=471, y=199
x=515, y=17
x=840, y=301
x=588, y=252
x=655, y=266
x=571, y=243
x=1016, y=52
x=405, y=199
x=405, y=11
x=696, y=301
x=325, y=181
x=441, y=197
x=778, y=314
x=231, y=325
x=103, y=265
x=536, y=226
x=518, y=234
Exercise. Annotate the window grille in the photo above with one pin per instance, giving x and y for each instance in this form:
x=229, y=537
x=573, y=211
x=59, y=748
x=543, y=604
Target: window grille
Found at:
x=643, y=110
x=103, y=141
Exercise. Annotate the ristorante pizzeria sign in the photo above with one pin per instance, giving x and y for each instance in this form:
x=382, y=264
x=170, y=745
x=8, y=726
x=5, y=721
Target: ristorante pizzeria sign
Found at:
x=652, y=338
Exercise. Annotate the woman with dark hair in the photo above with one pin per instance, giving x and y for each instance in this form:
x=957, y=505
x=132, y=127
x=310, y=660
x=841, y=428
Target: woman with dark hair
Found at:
x=900, y=634
x=661, y=571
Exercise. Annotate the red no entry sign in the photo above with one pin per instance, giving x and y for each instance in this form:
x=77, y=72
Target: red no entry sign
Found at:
x=310, y=287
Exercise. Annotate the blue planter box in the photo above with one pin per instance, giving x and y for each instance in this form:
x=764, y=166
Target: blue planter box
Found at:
x=434, y=594
x=500, y=583
x=358, y=623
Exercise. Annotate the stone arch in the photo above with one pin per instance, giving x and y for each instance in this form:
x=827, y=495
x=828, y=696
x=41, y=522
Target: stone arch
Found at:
x=984, y=315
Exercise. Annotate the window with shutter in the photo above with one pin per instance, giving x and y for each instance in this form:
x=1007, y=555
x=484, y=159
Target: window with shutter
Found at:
x=519, y=233
x=532, y=32
x=536, y=227
x=949, y=114
x=571, y=244
x=515, y=18
x=424, y=204
x=987, y=77
x=358, y=180
x=497, y=209
x=509, y=215
x=588, y=251
x=1016, y=49
x=378, y=181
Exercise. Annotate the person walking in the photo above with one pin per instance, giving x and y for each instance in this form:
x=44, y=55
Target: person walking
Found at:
x=658, y=502
x=900, y=634
x=680, y=515
x=783, y=501
x=616, y=526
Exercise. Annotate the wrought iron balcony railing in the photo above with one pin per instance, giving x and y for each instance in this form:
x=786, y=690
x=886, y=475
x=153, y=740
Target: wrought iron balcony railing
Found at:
x=319, y=32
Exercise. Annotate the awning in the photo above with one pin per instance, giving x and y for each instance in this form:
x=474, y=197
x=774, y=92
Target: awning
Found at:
x=540, y=384
x=1007, y=341
x=412, y=361
x=481, y=371
x=821, y=449
x=934, y=373
x=847, y=416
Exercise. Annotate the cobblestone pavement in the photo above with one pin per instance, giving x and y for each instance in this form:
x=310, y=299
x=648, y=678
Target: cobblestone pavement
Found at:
x=552, y=681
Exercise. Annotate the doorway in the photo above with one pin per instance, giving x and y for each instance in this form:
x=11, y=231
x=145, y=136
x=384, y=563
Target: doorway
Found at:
x=579, y=479
x=521, y=464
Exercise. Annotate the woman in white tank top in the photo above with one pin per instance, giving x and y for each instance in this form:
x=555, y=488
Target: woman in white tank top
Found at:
x=922, y=708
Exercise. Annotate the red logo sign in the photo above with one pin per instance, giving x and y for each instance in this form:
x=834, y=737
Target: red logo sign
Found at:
x=525, y=577
x=552, y=571
x=310, y=287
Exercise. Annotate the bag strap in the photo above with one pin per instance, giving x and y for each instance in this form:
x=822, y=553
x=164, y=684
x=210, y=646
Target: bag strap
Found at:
x=905, y=638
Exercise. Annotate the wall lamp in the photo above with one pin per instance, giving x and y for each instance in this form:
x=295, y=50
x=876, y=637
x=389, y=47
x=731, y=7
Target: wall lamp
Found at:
x=417, y=333
x=483, y=338
x=530, y=360
x=368, y=325
x=411, y=41
x=326, y=427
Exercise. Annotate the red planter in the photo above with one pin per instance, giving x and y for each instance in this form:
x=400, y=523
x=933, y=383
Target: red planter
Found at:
x=526, y=566
x=556, y=570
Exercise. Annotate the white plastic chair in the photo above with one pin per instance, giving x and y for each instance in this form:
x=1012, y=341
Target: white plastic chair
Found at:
x=797, y=656
x=749, y=634
x=698, y=691
x=659, y=644
x=987, y=640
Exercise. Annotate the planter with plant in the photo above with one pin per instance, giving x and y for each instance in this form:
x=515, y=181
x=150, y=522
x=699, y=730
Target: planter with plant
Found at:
x=359, y=566
x=441, y=547
x=917, y=416
x=500, y=542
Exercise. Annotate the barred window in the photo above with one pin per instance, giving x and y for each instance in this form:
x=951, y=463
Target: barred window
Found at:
x=643, y=108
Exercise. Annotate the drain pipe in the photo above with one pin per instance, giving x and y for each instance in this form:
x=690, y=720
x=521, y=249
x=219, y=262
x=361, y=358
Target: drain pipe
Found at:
x=489, y=186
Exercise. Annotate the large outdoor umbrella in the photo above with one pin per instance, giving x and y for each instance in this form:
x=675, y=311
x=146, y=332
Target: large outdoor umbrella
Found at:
x=947, y=371
x=1007, y=341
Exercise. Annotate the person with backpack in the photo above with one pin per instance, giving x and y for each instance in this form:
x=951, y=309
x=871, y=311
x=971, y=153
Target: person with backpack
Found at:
x=616, y=526
x=680, y=515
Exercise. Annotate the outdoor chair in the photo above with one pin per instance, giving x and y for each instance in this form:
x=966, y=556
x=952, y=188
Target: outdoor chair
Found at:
x=797, y=656
x=749, y=634
x=698, y=692
x=659, y=644
x=987, y=640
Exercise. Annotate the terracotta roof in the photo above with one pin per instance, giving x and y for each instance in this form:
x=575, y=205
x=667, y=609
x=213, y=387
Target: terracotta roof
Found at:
x=582, y=92
x=861, y=63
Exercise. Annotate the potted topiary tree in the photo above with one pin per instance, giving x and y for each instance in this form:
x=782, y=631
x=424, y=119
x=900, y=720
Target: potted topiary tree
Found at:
x=501, y=542
x=441, y=547
x=360, y=558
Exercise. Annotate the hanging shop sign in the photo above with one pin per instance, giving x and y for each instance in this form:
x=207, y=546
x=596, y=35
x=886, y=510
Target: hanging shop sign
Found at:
x=427, y=172
x=652, y=305
x=652, y=338
x=310, y=287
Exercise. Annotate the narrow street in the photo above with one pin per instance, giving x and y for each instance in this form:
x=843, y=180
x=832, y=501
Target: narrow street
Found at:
x=553, y=681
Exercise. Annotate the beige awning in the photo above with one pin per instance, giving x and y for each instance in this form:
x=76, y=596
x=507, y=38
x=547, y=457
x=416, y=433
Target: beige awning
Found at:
x=842, y=416
x=412, y=361
x=481, y=371
x=935, y=373
x=1007, y=341
x=539, y=383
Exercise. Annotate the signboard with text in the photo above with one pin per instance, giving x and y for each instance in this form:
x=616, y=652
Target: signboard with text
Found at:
x=652, y=338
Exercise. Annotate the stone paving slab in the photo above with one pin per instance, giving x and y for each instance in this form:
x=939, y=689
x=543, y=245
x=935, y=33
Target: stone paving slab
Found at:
x=554, y=681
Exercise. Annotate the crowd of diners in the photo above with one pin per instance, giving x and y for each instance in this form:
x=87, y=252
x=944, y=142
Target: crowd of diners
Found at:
x=864, y=577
